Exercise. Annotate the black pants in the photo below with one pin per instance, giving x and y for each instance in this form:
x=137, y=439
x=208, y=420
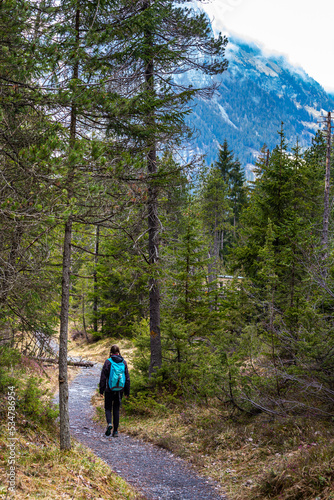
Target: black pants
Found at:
x=112, y=401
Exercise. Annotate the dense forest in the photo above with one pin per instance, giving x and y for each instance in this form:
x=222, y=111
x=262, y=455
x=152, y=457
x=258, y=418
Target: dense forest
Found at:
x=224, y=286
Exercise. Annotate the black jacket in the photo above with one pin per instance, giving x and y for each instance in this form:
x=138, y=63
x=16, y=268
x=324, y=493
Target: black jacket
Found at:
x=104, y=387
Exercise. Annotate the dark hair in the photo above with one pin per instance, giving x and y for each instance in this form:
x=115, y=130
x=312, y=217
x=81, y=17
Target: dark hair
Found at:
x=114, y=349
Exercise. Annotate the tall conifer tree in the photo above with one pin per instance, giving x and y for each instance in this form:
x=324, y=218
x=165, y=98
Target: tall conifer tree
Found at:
x=162, y=39
x=234, y=177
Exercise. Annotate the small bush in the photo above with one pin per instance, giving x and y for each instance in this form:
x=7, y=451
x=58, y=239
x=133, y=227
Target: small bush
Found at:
x=36, y=403
x=8, y=359
x=143, y=404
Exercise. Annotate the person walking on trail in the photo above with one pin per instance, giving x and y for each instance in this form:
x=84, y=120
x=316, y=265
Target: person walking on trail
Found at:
x=114, y=382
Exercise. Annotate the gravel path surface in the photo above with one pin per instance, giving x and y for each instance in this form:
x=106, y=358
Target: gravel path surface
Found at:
x=155, y=472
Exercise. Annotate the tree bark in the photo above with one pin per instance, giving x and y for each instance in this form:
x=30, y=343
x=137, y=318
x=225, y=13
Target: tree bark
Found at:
x=65, y=440
x=96, y=258
x=327, y=187
x=153, y=250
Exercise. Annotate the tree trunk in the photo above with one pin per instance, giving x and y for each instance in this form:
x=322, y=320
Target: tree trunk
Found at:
x=213, y=266
x=187, y=284
x=65, y=440
x=97, y=238
x=324, y=241
x=83, y=315
x=84, y=364
x=222, y=244
x=153, y=220
x=153, y=251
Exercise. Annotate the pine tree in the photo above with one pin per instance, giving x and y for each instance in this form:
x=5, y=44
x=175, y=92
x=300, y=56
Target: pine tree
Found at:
x=280, y=239
x=162, y=39
x=27, y=137
x=232, y=174
x=216, y=214
x=73, y=47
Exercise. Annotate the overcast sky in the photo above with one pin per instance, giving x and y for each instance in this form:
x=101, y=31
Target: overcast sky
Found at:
x=301, y=29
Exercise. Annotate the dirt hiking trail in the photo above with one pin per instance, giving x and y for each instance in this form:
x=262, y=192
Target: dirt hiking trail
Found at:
x=154, y=472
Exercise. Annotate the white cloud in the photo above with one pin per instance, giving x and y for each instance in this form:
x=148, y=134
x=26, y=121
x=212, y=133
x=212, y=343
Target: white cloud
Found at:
x=300, y=29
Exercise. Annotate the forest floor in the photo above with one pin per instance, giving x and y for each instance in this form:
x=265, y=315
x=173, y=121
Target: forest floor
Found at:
x=256, y=457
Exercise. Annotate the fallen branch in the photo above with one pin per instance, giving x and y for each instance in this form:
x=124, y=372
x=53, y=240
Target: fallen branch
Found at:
x=85, y=364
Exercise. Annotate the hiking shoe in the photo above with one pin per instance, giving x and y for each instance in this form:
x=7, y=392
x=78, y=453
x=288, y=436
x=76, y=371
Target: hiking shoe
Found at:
x=108, y=431
x=115, y=434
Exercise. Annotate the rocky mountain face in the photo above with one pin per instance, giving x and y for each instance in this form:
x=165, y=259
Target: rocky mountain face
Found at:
x=256, y=94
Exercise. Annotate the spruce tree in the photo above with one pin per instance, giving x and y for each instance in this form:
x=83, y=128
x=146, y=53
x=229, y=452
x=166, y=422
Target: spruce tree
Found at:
x=189, y=321
x=216, y=215
x=232, y=174
x=225, y=161
x=160, y=40
x=27, y=139
x=279, y=251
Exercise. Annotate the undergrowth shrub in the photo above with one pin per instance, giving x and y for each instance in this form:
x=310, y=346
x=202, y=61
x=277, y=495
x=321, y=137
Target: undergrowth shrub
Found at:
x=36, y=403
x=33, y=401
x=143, y=404
x=9, y=358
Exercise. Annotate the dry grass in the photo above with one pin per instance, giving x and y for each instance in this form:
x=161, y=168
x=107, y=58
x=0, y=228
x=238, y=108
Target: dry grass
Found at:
x=254, y=459
x=99, y=351
x=43, y=471
x=48, y=372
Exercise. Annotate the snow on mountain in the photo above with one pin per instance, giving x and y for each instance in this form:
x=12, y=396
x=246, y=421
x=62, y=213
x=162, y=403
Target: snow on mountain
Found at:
x=256, y=94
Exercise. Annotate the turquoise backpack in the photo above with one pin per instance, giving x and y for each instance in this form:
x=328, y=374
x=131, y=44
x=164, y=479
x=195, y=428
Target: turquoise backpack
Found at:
x=117, y=376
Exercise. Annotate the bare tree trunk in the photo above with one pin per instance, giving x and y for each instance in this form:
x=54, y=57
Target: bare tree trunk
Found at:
x=83, y=315
x=324, y=241
x=65, y=440
x=187, y=285
x=153, y=250
x=85, y=364
x=213, y=266
x=153, y=221
x=222, y=242
x=97, y=238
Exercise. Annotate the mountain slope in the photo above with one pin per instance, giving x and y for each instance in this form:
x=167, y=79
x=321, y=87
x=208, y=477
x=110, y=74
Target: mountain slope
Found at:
x=256, y=94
